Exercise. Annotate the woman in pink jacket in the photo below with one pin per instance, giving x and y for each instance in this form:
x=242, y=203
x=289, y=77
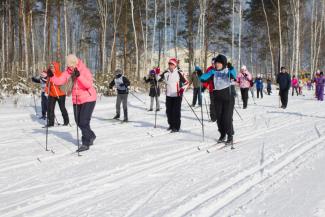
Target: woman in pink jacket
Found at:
x=84, y=95
x=244, y=80
x=294, y=85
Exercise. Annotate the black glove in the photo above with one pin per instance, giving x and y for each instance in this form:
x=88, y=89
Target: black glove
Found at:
x=144, y=78
x=50, y=73
x=245, y=74
x=122, y=85
x=75, y=73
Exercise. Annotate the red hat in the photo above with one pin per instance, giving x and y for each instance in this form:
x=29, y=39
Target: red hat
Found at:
x=173, y=61
x=157, y=70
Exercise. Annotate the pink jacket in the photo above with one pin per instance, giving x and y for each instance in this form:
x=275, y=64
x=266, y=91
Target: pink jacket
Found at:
x=294, y=82
x=83, y=89
x=244, y=82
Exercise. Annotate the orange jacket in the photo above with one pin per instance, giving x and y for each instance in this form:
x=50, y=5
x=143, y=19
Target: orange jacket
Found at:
x=55, y=90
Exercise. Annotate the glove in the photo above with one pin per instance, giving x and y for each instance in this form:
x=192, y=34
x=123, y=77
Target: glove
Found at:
x=144, y=78
x=75, y=73
x=181, y=91
x=122, y=85
x=50, y=73
x=245, y=74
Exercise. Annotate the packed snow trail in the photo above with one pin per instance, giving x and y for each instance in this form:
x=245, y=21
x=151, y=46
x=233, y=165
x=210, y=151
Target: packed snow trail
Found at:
x=135, y=169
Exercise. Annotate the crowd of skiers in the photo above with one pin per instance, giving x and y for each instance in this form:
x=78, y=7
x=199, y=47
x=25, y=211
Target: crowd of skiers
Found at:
x=220, y=80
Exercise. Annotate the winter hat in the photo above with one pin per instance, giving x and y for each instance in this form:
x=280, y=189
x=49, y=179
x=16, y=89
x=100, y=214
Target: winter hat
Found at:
x=198, y=69
x=321, y=73
x=152, y=72
x=244, y=68
x=71, y=60
x=157, y=70
x=282, y=68
x=118, y=72
x=221, y=59
x=173, y=61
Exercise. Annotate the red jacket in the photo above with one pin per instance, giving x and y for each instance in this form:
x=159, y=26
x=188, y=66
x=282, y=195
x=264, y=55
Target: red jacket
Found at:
x=209, y=84
x=55, y=90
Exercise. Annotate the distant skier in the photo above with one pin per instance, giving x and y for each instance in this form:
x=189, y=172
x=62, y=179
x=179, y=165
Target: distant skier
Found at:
x=154, y=91
x=224, y=98
x=259, y=86
x=244, y=80
x=320, y=82
x=121, y=83
x=194, y=79
x=56, y=94
x=210, y=86
x=294, y=85
x=44, y=101
x=176, y=84
x=269, y=86
x=284, y=82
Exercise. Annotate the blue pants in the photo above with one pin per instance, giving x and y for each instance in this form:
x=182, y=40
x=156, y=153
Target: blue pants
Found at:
x=197, y=95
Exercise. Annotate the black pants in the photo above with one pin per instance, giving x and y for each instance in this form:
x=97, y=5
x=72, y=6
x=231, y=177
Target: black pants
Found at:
x=51, y=109
x=244, y=96
x=284, y=97
x=173, y=111
x=213, y=115
x=82, y=116
x=197, y=95
x=295, y=89
x=224, y=109
x=259, y=91
x=44, y=104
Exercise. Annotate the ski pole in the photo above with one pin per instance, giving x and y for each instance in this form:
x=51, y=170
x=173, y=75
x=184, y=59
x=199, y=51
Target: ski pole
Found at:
x=206, y=106
x=77, y=119
x=156, y=97
x=238, y=114
x=189, y=105
x=35, y=103
x=137, y=98
x=200, y=96
x=47, y=117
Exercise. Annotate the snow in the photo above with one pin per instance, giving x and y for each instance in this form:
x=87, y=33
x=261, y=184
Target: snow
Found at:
x=136, y=170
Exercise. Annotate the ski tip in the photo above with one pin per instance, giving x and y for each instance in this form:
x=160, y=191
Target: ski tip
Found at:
x=39, y=160
x=53, y=152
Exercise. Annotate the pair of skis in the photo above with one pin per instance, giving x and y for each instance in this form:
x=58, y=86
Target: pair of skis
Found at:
x=216, y=146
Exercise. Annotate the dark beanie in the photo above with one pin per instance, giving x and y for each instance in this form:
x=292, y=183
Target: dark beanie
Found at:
x=221, y=59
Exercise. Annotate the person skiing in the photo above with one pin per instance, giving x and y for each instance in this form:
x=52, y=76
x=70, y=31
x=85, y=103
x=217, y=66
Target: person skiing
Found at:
x=56, y=94
x=83, y=96
x=284, y=81
x=41, y=79
x=320, y=82
x=294, y=85
x=244, y=80
x=210, y=86
x=197, y=88
x=224, y=97
x=269, y=85
x=259, y=86
x=154, y=91
x=121, y=83
x=176, y=84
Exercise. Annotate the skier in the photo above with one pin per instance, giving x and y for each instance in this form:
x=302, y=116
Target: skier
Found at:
x=294, y=85
x=121, y=83
x=41, y=79
x=259, y=86
x=224, y=97
x=197, y=89
x=83, y=96
x=176, y=84
x=210, y=86
x=269, y=86
x=284, y=82
x=244, y=80
x=56, y=94
x=154, y=92
x=320, y=82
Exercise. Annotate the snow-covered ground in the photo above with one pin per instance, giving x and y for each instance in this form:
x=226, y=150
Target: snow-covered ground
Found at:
x=277, y=168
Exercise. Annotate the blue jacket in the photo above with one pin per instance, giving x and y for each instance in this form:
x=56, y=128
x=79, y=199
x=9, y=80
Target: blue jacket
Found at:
x=259, y=83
